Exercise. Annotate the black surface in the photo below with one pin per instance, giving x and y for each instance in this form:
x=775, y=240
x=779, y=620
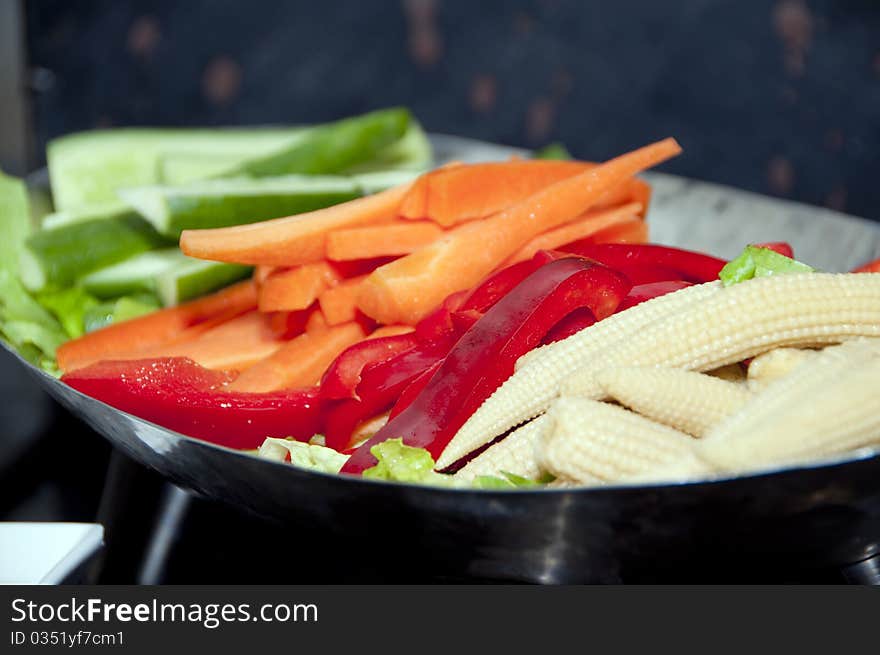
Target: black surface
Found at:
x=780, y=97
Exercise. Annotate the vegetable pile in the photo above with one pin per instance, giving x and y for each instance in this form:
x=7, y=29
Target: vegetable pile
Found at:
x=498, y=324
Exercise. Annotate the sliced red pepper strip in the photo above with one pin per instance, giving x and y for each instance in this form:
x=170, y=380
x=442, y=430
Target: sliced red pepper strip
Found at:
x=341, y=379
x=381, y=384
x=691, y=266
x=647, y=273
x=781, y=247
x=178, y=394
x=643, y=292
x=485, y=355
x=870, y=267
x=578, y=320
x=413, y=389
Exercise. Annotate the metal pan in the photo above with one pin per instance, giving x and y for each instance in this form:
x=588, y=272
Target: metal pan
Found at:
x=827, y=514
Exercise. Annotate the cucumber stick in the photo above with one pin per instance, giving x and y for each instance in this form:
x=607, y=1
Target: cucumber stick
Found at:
x=196, y=278
x=92, y=212
x=120, y=309
x=87, y=167
x=332, y=148
x=235, y=201
x=167, y=273
x=56, y=258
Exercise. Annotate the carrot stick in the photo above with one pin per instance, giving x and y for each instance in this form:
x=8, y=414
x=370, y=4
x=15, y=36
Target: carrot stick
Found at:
x=300, y=362
x=634, y=230
x=233, y=345
x=390, y=331
x=163, y=326
x=296, y=288
x=316, y=322
x=299, y=239
x=590, y=223
x=405, y=290
x=388, y=240
x=339, y=303
x=450, y=196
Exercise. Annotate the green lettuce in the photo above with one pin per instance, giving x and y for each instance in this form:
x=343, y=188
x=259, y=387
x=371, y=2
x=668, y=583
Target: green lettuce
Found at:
x=398, y=462
x=759, y=262
x=304, y=455
x=510, y=481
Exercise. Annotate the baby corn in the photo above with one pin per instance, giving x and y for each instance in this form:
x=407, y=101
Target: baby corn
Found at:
x=744, y=320
x=684, y=400
x=531, y=389
x=827, y=406
x=775, y=364
x=592, y=440
x=729, y=372
x=513, y=454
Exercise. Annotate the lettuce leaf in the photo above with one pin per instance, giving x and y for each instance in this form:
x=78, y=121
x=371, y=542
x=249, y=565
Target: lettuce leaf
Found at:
x=302, y=454
x=510, y=481
x=398, y=462
x=755, y=262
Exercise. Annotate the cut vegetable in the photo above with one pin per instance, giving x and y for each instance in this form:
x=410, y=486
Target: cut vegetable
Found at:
x=122, y=309
x=157, y=328
x=452, y=195
x=220, y=203
x=333, y=147
x=169, y=273
x=339, y=303
x=14, y=221
x=88, y=213
x=587, y=225
x=56, y=258
x=407, y=289
x=300, y=362
x=292, y=240
x=634, y=230
x=400, y=238
x=296, y=288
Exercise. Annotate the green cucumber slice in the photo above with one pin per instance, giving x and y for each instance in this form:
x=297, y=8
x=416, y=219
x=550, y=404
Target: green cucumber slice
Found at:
x=333, y=147
x=221, y=203
x=196, y=278
x=176, y=168
x=381, y=180
x=56, y=258
x=134, y=275
x=412, y=152
x=102, y=210
x=87, y=167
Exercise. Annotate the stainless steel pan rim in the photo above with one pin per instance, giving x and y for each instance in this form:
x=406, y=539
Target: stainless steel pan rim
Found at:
x=829, y=464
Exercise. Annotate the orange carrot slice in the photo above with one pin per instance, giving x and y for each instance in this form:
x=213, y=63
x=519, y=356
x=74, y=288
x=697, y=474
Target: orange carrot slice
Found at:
x=632, y=231
x=299, y=239
x=233, y=345
x=300, y=362
x=296, y=288
x=405, y=290
x=449, y=196
x=339, y=303
x=390, y=331
x=163, y=326
x=316, y=322
x=388, y=240
x=590, y=223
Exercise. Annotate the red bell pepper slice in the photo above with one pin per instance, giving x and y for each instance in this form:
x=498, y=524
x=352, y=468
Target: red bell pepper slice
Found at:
x=381, y=384
x=413, y=389
x=341, y=378
x=647, y=273
x=870, y=267
x=643, y=292
x=691, y=266
x=178, y=394
x=578, y=320
x=781, y=247
x=485, y=355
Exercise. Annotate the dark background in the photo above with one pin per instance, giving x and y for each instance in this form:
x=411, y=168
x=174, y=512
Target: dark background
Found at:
x=780, y=97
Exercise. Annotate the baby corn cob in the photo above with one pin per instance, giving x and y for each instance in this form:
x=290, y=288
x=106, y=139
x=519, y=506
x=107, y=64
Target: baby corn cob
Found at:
x=529, y=391
x=827, y=406
x=684, y=400
x=513, y=454
x=593, y=440
x=744, y=320
x=774, y=364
